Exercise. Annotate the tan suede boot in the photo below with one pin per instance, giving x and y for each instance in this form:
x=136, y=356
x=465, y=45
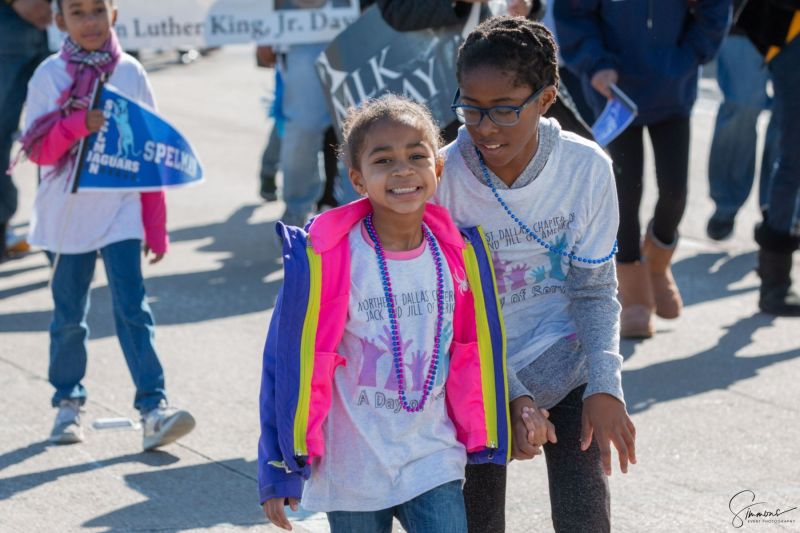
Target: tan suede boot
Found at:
x=658, y=257
x=636, y=297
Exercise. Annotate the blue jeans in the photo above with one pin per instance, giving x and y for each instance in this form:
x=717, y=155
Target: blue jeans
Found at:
x=307, y=119
x=22, y=48
x=742, y=77
x=783, y=192
x=132, y=318
x=440, y=510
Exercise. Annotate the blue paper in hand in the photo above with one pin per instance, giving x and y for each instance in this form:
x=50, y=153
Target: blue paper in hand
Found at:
x=617, y=115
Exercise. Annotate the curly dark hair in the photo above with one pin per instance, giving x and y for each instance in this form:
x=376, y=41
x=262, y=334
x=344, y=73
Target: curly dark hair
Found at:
x=524, y=48
x=389, y=107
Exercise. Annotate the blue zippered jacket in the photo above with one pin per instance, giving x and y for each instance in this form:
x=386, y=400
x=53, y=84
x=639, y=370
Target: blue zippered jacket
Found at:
x=307, y=325
x=656, y=47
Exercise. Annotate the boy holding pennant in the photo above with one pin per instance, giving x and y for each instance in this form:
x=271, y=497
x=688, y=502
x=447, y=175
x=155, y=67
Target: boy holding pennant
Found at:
x=72, y=225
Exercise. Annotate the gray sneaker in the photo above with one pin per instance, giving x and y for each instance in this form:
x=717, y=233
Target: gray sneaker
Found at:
x=67, y=428
x=165, y=424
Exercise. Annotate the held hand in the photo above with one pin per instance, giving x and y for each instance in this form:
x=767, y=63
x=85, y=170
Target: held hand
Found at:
x=35, y=12
x=519, y=8
x=156, y=257
x=603, y=79
x=95, y=119
x=526, y=421
x=275, y=513
x=605, y=417
x=540, y=429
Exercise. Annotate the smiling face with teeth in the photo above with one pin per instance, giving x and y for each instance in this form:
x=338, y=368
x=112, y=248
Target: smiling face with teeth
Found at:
x=507, y=150
x=397, y=169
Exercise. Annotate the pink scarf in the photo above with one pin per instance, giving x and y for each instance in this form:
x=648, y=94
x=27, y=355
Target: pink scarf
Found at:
x=85, y=68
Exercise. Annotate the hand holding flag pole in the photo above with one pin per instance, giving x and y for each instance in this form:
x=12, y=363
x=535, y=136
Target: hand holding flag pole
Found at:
x=82, y=147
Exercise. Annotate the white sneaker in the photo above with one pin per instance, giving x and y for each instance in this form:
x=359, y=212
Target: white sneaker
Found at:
x=164, y=424
x=67, y=428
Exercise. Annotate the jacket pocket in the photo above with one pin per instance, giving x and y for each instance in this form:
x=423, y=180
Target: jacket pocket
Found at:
x=325, y=364
x=466, y=403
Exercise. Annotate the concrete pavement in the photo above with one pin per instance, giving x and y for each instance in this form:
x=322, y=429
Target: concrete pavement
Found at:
x=714, y=395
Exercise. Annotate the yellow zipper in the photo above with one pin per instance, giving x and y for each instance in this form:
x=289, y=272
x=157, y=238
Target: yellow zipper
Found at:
x=502, y=337
x=307, y=347
x=484, y=346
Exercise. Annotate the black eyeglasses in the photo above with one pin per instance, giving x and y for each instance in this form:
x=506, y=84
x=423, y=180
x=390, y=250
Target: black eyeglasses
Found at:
x=502, y=115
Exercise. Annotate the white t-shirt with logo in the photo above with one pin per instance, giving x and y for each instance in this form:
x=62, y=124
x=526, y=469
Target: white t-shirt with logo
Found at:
x=87, y=220
x=377, y=454
x=571, y=204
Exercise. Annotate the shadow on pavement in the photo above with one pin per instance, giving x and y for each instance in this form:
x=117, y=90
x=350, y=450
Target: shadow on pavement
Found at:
x=24, y=482
x=191, y=497
x=703, y=278
x=699, y=281
x=22, y=454
x=22, y=289
x=237, y=287
x=714, y=369
x=15, y=271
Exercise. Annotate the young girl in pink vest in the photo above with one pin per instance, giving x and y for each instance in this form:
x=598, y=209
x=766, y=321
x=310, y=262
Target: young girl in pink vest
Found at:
x=383, y=367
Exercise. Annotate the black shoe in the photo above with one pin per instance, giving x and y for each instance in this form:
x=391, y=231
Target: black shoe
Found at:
x=776, y=296
x=719, y=229
x=779, y=301
x=268, y=190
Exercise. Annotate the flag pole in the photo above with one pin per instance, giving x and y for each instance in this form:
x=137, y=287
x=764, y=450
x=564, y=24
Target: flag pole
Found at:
x=76, y=172
x=84, y=146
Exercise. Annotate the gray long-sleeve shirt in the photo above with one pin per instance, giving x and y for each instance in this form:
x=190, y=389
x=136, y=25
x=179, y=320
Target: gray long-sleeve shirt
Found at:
x=562, y=317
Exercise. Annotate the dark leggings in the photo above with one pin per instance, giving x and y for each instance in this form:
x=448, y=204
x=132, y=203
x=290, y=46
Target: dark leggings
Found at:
x=579, y=497
x=485, y=498
x=670, y=140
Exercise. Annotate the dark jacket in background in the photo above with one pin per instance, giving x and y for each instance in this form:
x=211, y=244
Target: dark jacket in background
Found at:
x=737, y=7
x=656, y=46
x=18, y=36
x=413, y=15
x=768, y=23
x=22, y=47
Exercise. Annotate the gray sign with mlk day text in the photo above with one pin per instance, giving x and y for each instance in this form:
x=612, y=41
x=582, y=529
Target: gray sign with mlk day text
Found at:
x=370, y=58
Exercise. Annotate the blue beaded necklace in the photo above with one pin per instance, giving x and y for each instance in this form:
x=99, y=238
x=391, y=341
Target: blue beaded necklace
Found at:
x=546, y=245
x=397, y=351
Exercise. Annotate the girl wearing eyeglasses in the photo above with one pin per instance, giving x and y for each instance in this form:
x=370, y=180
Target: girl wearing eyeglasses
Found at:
x=548, y=205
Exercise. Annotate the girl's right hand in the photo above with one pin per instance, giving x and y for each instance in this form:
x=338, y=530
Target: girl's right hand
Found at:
x=274, y=510
x=95, y=119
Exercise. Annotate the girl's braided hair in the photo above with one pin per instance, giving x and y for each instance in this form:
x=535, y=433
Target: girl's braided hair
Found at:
x=390, y=107
x=521, y=47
